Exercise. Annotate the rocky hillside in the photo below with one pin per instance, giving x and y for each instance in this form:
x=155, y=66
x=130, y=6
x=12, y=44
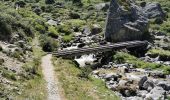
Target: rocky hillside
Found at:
x=28, y=28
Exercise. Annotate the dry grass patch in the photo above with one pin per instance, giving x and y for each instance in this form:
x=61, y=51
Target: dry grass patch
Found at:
x=76, y=88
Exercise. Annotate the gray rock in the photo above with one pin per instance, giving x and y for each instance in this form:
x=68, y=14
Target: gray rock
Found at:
x=110, y=76
x=157, y=93
x=154, y=10
x=112, y=86
x=102, y=6
x=96, y=72
x=158, y=74
x=86, y=30
x=142, y=93
x=127, y=91
x=165, y=85
x=132, y=23
x=133, y=98
x=142, y=81
x=122, y=83
x=123, y=25
x=52, y=22
x=148, y=85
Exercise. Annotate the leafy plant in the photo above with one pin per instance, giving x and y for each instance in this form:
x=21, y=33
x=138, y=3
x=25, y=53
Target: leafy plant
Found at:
x=85, y=71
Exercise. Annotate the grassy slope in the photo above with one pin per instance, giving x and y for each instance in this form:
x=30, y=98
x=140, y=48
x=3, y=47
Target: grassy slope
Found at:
x=35, y=88
x=125, y=57
x=76, y=88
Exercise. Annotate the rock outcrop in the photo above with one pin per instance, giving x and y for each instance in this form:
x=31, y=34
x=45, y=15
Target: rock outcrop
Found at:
x=130, y=21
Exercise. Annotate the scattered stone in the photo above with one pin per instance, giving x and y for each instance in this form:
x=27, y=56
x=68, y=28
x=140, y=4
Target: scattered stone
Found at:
x=96, y=72
x=148, y=85
x=122, y=83
x=142, y=93
x=52, y=22
x=110, y=76
x=157, y=93
x=165, y=85
x=142, y=81
x=102, y=6
x=157, y=74
x=86, y=30
x=127, y=91
x=133, y=98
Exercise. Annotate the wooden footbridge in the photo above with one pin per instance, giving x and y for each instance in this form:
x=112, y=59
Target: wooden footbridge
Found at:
x=100, y=48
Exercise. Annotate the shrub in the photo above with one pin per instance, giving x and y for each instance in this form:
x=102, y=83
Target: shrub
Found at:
x=77, y=2
x=67, y=38
x=66, y=29
x=53, y=32
x=40, y=28
x=49, y=1
x=76, y=23
x=85, y=71
x=20, y=3
x=8, y=74
x=34, y=68
x=48, y=44
x=5, y=27
x=17, y=54
x=74, y=15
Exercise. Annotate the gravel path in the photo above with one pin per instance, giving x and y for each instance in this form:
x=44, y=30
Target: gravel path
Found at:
x=48, y=72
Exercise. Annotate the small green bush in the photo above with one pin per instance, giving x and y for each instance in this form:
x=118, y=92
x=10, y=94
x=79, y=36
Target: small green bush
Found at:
x=8, y=74
x=5, y=27
x=139, y=63
x=48, y=44
x=66, y=29
x=85, y=71
x=53, y=32
x=17, y=54
x=67, y=38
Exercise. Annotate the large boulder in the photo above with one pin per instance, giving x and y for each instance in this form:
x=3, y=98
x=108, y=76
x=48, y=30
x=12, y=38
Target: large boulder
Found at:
x=125, y=24
x=157, y=93
x=154, y=10
x=127, y=21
